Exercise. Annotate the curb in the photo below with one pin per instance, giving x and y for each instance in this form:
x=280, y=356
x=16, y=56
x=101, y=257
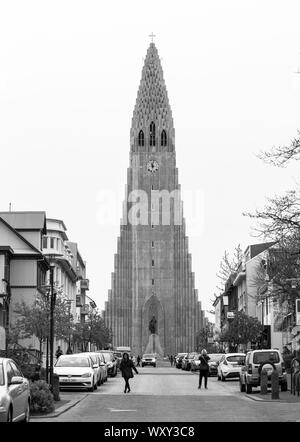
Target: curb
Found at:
x=59, y=412
x=272, y=401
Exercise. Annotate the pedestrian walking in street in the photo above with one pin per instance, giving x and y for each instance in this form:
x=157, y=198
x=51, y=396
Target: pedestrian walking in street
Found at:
x=171, y=360
x=138, y=360
x=203, y=368
x=126, y=367
x=58, y=352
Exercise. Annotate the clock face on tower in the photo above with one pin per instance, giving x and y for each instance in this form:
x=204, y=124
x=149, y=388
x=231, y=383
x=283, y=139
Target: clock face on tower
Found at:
x=152, y=166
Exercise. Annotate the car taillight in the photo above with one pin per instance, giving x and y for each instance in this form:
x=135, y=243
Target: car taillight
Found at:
x=250, y=368
x=283, y=367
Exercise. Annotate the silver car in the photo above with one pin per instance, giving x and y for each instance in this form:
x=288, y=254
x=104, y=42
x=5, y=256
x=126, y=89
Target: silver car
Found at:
x=14, y=393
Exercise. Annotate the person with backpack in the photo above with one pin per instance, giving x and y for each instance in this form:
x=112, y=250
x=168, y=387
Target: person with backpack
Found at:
x=126, y=367
x=204, y=368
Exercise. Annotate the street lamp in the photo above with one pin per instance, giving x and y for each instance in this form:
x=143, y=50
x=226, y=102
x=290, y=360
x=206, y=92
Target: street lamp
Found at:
x=69, y=301
x=5, y=297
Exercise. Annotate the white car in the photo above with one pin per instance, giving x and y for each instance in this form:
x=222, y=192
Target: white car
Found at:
x=101, y=370
x=76, y=371
x=149, y=359
x=230, y=366
x=14, y=393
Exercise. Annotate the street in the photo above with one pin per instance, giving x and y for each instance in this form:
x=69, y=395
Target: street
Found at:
x=171, y=395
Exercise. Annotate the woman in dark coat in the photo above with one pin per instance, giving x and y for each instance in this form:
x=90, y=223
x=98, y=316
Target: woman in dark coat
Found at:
x=126, y=367
x=204, y=368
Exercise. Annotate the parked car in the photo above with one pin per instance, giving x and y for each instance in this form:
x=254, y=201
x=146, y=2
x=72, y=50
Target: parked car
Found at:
x=213, y=363
x=255, y=362
x=100, y=370
x=118, y=356
x=179, y=358
x=195, y=363
x=149, y=359
x=230, y=366
x=76, y=370
x=14, y=393
x=111, y=362
x=186, y=361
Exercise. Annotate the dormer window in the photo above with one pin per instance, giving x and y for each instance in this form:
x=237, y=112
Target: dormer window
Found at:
x=152, y=134
x=163, y=138
x=141, y=138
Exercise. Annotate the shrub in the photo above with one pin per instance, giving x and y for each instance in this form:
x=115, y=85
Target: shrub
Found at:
x=41, y=397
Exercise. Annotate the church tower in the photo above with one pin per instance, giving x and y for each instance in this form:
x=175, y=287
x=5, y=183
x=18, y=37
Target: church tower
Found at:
x=152, y=270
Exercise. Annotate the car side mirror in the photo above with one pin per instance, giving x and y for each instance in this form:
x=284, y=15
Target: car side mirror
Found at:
x=95, y=366
x=15, y=380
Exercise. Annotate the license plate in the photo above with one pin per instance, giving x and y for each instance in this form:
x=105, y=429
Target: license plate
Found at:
x=68, y=380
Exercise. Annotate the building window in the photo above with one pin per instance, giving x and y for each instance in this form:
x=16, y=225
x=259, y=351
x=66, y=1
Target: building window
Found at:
x=152, y=244
x=163, y=138
x=152, y=262
x=45, y=242
x=152, y=134
x=52, y=243
x=152, y=281
x=141, y=138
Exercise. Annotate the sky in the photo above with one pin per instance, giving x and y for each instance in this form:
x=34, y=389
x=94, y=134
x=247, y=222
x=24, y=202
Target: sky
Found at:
x=69, y=75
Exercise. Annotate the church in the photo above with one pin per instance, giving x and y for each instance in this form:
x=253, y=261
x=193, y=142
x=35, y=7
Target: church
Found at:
x=153, y=305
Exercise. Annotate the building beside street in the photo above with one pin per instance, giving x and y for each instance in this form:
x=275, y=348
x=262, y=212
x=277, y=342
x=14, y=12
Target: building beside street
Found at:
x=23, y=267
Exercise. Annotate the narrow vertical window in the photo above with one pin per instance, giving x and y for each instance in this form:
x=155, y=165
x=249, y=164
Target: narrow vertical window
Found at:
x=152, y=134
x=163, y=138
x=152, y=244
x=45, y=242
x=152, y=262
x=141, y=138
x=152, y=281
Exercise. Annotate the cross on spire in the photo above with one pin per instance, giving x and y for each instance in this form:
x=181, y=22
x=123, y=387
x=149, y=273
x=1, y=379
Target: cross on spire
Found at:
x=152, y=36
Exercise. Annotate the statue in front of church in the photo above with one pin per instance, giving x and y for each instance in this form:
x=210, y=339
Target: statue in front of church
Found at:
x=152, y=325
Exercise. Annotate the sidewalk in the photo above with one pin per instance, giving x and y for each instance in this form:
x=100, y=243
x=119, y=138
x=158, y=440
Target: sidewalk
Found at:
x=67, y=401
x=284, y=396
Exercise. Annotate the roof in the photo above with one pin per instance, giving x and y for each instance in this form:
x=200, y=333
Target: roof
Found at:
x=26, y=220
x=152, y=103
x=24, y=240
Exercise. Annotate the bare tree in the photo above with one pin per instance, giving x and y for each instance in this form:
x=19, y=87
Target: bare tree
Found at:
x=228, y=266
x=280, y=156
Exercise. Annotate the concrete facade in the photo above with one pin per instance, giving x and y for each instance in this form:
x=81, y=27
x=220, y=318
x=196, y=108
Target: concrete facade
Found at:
x=152, y=269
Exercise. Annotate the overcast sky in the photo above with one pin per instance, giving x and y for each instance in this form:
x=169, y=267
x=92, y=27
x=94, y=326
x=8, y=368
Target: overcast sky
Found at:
x=69, y=75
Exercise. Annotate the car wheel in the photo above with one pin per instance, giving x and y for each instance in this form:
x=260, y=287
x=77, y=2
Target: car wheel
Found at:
x=91, y=389
x=242, y=387
x=154, y=365
x=219, y=378
x=222, y=378
x=284, y=386
x=10, y=415
x=248, y=388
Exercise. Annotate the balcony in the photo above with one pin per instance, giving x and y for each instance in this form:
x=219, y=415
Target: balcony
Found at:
x=85, y=284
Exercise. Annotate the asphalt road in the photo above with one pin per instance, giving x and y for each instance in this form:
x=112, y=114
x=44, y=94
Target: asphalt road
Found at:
x=171, y=395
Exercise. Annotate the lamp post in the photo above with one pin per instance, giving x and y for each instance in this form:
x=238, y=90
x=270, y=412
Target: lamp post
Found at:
x=52, y=306
x=69, y=301
x=5, y=295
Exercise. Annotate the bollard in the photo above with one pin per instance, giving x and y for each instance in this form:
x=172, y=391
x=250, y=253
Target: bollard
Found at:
x=275, y=384
x=55, y=390
x=263, y=382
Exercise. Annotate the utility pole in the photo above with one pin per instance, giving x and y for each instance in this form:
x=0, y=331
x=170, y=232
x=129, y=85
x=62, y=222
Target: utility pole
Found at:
x=52, y=305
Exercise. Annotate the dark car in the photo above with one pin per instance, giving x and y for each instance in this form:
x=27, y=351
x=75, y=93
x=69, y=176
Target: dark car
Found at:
x=213, y=363
x=178, y=360
x=111, y=362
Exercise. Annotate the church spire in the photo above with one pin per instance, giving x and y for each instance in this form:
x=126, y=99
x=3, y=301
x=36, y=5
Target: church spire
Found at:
x=152, y=108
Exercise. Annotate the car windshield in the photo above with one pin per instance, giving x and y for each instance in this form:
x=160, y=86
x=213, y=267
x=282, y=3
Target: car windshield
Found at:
x=107, y=357
x=237, y=359
x=1, y=375
x=266, y=356
x=72, y=361
x=149, y=356
x=215, y=357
